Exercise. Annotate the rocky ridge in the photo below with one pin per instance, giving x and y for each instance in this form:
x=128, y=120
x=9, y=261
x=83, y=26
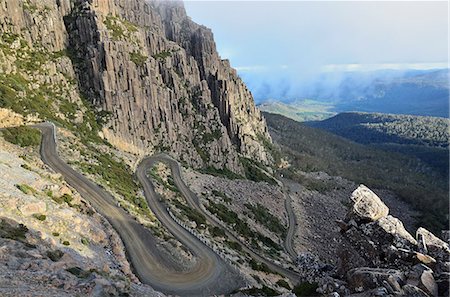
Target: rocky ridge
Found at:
x=379, y=257
x=152, y=75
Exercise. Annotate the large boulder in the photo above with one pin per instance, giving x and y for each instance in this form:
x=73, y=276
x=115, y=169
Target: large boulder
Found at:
x=367, y=206
x=434, y=245
x=365, y=278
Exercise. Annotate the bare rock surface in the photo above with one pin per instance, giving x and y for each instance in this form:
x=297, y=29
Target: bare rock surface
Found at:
x=367, y=205
x=55, y=247
x=379, y=257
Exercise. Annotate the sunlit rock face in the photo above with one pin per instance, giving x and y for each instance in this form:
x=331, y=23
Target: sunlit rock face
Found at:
x=154, y=72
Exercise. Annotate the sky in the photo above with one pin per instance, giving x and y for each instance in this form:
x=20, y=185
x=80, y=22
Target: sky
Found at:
x=297, y=41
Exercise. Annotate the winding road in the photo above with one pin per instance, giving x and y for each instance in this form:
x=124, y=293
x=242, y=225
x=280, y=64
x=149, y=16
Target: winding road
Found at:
x=209, y=275
x=288, y=242
x=194, y=202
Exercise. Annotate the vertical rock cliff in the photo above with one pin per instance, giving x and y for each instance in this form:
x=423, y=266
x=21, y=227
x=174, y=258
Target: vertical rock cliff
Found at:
x=152, y=73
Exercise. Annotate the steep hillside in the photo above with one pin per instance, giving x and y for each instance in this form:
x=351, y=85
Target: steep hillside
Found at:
x=310, y=149
x=139, y=74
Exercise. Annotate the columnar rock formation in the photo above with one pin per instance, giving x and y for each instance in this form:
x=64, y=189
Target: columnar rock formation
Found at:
x=152, y=70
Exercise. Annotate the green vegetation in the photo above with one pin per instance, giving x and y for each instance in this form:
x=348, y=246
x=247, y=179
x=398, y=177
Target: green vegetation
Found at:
x=138, y=59
x=283, y=283
x=221, y=172
x=230, y=217
x=260, y=267
x=369, y=128
x=26, y=189
x=264, y=291
x=23, y=136
x=118, y=176
x=55, y=255
x=78, y=272
x=305, y=289
x=264, y=217
x=84, y=241
x=13, y=232
x=40, y=217
x=66, y=243
x=241, y=227
x=162, y=55
x=418, y=136
x=222, y=195
x=191, y=213
x=56, y=234
x=119, y=28
x=313, y=150
x=270, y=147
x=253, y=172
x=216, y=231
x=64, y=198
x=234, y=245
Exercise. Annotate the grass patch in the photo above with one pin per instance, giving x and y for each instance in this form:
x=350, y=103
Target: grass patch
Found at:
x=84, y=241
x=265, y=218
x=221, y=173
x=253, y=172
x=216, y=231
x=26, y=189
x=40, y=217
x=260, y=267
x=162, y=55
x=23, y=136
x=230, y=217
x=118, y=176
x=191, y=213
x=64, y=198
x=138, y=59
x=234, y=245
x=222, y=195
x=78, y=272
x=283, y=283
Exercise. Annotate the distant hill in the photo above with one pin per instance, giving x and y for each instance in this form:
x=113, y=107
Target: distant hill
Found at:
x=301, y=110
x=311, y=149
x=372, y=128
x=414, y=93
x=426, y=138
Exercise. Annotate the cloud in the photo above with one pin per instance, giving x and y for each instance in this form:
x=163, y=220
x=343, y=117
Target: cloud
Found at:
x=382, y=66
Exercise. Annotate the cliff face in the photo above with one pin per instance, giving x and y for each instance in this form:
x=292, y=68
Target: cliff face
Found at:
x=153, y=72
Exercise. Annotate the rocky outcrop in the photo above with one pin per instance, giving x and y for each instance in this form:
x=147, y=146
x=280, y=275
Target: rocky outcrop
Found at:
x=153, y=75
x=366, y=205
x=378, y=257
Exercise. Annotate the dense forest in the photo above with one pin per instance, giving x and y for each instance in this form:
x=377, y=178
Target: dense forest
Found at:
x=311, y=150
x=423, y=137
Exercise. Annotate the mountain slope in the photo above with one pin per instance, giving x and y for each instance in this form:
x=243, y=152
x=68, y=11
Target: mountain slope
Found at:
x=141, y=73
x=311, y=150
x=423, y=137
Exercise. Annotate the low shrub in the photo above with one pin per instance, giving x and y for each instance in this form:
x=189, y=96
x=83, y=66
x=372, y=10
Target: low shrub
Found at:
x=23, y=136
